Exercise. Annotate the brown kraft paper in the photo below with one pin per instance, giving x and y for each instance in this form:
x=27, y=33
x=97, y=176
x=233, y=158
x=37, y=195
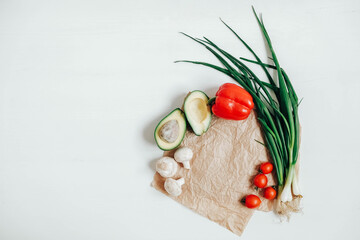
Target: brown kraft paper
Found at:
x=226, y=159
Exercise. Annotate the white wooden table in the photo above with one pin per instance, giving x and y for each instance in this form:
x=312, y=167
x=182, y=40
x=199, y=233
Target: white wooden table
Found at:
x=83, y=84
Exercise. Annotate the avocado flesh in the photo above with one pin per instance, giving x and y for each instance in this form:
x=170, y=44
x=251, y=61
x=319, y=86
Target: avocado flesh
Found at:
x=167, y=144
x=197, y=112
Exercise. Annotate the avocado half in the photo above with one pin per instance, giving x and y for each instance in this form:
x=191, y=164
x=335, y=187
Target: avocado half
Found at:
x=197, y=111
x=171, y=130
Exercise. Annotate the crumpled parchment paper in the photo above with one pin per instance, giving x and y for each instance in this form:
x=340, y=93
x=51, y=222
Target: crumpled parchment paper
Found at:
x=226, y=159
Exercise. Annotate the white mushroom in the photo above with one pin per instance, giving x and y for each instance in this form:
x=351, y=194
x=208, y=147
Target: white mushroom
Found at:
x=184, y=155
x=173, y=187
x=166, y=167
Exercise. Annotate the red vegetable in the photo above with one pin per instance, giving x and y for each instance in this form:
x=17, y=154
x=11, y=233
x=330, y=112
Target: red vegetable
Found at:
x=232, y=102
x=269, y=193
x=266, y=168
x=252, y=201
x=260, y=180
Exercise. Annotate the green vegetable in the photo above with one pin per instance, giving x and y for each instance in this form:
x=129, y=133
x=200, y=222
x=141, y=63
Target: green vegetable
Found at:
x=276, y=105
x=170, y=131
x=197, y=111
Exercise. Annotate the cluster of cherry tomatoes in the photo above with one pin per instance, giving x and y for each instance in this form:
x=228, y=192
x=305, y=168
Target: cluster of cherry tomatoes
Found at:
x=260, y=181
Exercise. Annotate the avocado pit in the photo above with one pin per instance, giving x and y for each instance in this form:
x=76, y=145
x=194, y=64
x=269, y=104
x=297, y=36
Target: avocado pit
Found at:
x=169, y=132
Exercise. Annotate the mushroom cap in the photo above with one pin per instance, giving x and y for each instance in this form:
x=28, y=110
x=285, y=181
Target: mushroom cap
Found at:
x=183, y=154
x=166, y=167
x=173, y=187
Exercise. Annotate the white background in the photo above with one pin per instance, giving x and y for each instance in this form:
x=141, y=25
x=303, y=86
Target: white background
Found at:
x=84, y=83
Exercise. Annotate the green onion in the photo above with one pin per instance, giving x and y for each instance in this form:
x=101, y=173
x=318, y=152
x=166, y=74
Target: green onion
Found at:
x=276, y=105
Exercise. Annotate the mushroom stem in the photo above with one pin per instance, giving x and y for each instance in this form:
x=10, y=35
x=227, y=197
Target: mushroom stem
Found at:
x=181, y=181
x=186, y=164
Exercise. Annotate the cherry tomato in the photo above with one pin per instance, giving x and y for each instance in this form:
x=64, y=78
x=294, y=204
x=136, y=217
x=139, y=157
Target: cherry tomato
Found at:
x=260, y=180
x=252, y=201
x=270, y=193
x=266, y=168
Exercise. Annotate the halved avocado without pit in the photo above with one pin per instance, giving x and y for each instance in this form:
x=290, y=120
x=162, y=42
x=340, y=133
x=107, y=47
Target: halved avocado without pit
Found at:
x=171, y=130
x=197, y=111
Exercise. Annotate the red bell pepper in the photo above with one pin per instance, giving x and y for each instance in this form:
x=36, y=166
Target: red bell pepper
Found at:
x=232, y=102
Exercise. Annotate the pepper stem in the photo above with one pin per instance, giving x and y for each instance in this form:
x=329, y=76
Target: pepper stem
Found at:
x=211, y=101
